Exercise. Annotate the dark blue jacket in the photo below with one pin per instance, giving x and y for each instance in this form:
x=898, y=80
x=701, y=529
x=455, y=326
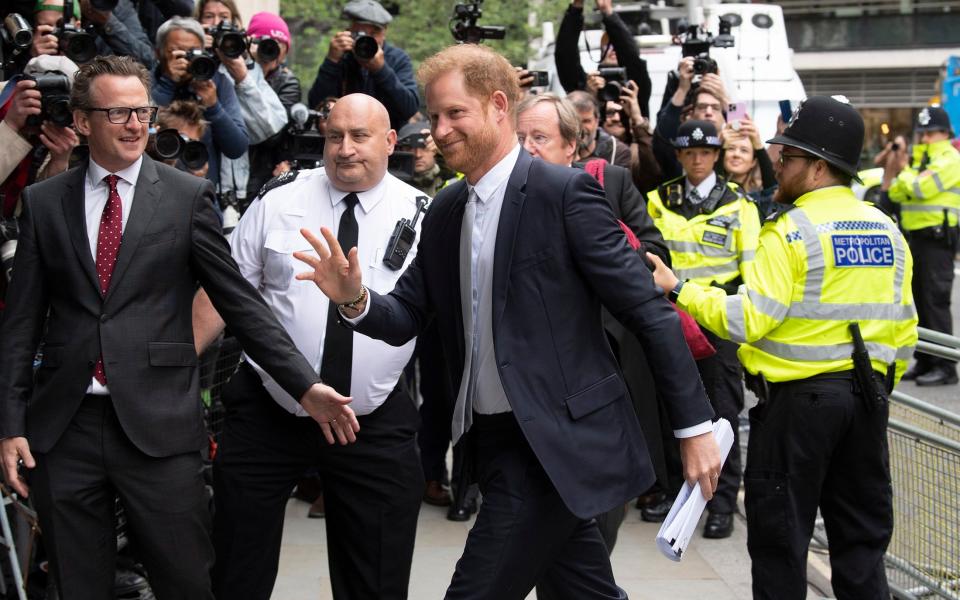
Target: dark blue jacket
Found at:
x=225, y=133
x=559, y=256
x=393, y=85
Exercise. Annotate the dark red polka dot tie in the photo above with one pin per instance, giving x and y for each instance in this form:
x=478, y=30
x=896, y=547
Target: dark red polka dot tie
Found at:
x=108, y=244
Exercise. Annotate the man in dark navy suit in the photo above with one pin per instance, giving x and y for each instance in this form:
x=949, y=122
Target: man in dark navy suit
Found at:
x=514, y=263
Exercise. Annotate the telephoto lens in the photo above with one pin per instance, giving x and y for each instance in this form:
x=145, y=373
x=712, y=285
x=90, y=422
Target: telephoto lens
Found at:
x=202, y=66
x=229, y=40
x=168, y=143
x=365, y=46
x=268, y=49
x=194, y=154
x=76, y=44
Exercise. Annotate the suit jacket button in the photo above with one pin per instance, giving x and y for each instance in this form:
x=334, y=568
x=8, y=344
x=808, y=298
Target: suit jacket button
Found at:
x=104, y=318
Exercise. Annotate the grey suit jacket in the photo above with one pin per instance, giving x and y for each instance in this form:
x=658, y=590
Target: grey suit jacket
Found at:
x=142, y=327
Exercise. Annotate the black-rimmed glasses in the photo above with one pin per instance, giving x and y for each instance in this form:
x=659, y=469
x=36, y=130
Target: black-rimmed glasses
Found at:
x=121, y=115
x=784, y=157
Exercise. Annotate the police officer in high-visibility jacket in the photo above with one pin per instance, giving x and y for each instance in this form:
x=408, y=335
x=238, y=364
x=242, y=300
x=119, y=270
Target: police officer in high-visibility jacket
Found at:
x=928, y=193
x=829, y=269
x=711, y=229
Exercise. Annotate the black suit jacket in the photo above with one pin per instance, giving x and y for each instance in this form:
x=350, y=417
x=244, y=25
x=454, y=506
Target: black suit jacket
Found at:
x=559, y=254
x=142, y=327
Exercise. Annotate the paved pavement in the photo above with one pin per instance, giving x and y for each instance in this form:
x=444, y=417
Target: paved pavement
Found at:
x=715, y=569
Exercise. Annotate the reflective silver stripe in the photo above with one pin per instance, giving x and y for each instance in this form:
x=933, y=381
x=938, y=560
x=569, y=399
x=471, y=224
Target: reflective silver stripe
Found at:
x=905, y=353
x=816, y=311
x=722, y=269
x=900, y=260
x=736, y=328
x=937, y=182
x=747, y=255
x=916, y=188
x=808, y=353
x=929, y=208
x=815, y=262
x=768, y=306
x=695, y=248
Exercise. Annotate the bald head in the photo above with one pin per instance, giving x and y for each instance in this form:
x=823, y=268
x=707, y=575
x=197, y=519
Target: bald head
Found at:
x=359, y=142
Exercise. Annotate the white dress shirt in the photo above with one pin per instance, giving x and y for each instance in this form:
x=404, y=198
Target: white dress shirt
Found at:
x=263, y=244
x=96, y=192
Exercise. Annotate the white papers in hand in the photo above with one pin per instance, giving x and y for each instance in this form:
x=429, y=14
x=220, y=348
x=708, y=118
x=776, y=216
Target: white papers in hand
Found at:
x=678, y=527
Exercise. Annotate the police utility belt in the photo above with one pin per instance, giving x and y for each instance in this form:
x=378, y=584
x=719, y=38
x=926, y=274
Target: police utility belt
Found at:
x=872, y=386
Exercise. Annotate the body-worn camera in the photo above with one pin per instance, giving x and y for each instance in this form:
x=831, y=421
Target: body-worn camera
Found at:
x=464, y=28
x=77, y=44
x=402, y=238
x=613, y=86
x=228, y=39
x=268, y=49
x=202, y=65
x=54, y=88
x=170, y=144
x=365, y=46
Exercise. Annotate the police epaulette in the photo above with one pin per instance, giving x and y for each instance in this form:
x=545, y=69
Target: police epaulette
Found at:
x=281, y=179
x=777, y=211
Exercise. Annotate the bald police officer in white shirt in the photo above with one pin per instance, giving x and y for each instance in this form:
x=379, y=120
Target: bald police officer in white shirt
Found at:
x=372, y=488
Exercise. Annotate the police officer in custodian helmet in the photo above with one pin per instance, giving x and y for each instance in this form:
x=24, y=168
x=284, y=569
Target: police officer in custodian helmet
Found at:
x=826, y=323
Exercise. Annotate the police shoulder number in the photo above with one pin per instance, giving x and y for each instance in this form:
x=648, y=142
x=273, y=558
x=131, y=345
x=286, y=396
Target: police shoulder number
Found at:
x=281, y=179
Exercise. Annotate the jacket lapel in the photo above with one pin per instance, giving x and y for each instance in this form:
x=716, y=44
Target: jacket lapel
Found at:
x=510, y=213
x=454, y=226
x=74, y=202
x=146, y=199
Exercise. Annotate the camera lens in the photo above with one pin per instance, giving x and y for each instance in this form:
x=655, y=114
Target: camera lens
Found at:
x=232, y=44
x=58, y=111
x=611, y=91
x=19, y=30
x=268, y=49
x=194, y=155
x=78, y=46
x=202, y=66
x=167, y=143
x=365, y=47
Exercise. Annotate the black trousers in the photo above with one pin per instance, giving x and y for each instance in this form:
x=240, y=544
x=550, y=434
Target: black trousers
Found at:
x=524, y=533
x=815, y=443
x=932, y=285
x=74, y=488
x=722, y=377
x=436, y=412
x=372, y=491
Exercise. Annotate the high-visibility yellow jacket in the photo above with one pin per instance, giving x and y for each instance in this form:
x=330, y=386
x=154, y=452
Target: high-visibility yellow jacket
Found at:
x=710, y=242
x=929, y=188
x=825, y=262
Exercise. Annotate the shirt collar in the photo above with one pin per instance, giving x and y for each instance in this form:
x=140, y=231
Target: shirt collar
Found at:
x=96, y=173
x=368, y=199
x=496, y=177
x=705, y=186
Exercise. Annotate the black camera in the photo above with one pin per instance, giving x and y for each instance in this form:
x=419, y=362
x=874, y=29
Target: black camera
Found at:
x=614, y=78
x=268, y=49
x=228, y=39
x=303, y=143
x=365, y=46
x=202, y=65
x=402, y=238
x=16, y=32
x=76, y=43
x=414, y=140
x=170, y=144
x=696, y=42
x=464, y=28
x=54, y=88
x=402, y=165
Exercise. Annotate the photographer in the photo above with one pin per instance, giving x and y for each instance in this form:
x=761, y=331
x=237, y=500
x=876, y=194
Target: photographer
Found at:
x=387, y=75
x=261, y=109
x=268, y=26
x=636, y=131
x=705, y=100
x=172, y=80
x=117, y=31
x=186, y=117
x=32, y=152
x=416, y=139
x=594, y=142
x=619, y=49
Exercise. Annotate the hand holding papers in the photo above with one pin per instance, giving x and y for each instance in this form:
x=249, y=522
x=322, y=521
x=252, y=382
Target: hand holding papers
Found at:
x=678, y=527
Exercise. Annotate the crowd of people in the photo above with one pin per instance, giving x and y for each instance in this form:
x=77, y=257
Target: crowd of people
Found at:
x=564, y=293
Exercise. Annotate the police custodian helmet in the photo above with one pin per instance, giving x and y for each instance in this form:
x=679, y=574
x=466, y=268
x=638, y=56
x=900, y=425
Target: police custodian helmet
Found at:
x=933, y=118
x=697, y=134
x=828, y=128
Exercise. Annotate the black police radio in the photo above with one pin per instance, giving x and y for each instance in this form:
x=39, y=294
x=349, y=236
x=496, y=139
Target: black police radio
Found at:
x=402, y=238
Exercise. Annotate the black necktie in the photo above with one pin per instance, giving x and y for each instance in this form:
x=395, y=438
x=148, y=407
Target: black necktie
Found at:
x=338, y=343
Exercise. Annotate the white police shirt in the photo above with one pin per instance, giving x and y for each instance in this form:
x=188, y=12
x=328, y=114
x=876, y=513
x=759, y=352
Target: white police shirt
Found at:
x=263, y=245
